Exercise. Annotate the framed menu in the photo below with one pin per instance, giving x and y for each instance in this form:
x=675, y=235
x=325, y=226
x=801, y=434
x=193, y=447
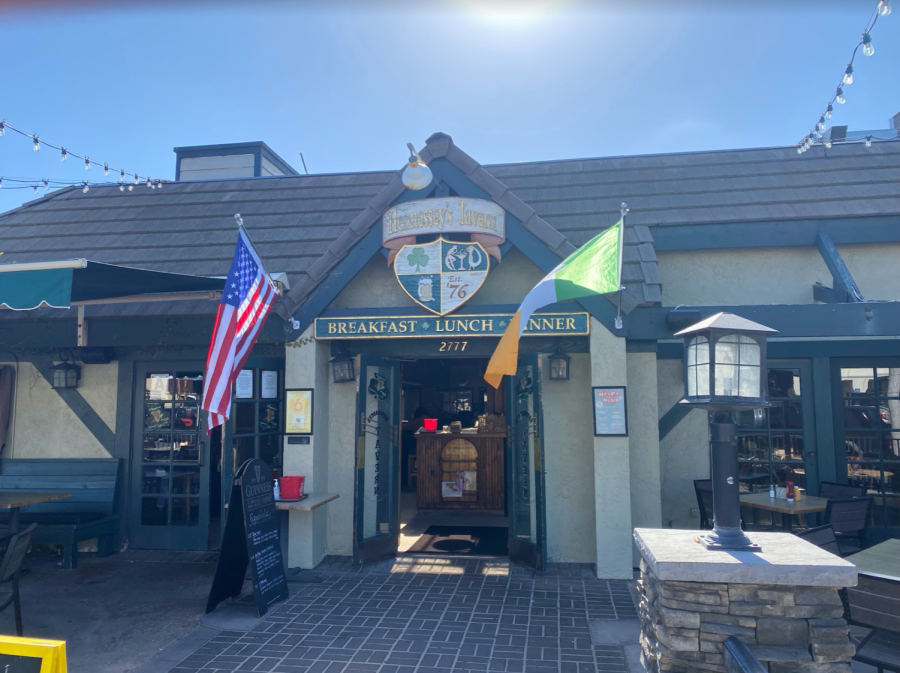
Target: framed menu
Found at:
x=610, y=412
x=243, y=385
x=298, y=412
x=269, y=384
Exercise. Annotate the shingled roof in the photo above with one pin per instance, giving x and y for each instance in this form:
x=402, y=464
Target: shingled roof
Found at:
x=302, y=225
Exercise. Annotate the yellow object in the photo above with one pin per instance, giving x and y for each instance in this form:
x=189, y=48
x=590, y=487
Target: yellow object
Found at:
x=798, y=495
x=52, y=653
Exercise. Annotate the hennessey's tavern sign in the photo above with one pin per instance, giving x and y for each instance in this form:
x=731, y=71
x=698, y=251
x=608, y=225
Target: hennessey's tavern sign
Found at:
x=442, y=275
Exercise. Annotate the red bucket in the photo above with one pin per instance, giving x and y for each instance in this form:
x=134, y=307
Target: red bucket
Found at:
x=430, y=424
x=292, y=487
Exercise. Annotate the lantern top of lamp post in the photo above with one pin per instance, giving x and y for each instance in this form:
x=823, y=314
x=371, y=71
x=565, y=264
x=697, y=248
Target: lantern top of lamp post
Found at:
x=727, y=322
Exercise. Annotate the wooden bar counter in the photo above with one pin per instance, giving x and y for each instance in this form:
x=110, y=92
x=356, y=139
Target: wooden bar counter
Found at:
x=446, y=461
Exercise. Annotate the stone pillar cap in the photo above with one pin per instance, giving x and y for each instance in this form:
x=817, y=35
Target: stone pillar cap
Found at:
x=784, y=560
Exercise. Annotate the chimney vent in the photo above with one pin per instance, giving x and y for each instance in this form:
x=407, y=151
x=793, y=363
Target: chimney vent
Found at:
x=233, y=160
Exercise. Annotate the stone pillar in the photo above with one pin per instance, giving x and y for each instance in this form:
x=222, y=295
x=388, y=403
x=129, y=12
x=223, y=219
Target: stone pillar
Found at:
x=307, y=366
x=612, y=472
x=782, y=602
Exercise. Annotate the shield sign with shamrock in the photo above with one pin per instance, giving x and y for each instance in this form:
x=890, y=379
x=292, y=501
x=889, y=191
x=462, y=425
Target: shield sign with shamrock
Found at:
x=441, y=275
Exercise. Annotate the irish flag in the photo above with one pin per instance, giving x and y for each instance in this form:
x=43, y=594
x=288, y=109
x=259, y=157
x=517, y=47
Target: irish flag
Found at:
x=595, y=268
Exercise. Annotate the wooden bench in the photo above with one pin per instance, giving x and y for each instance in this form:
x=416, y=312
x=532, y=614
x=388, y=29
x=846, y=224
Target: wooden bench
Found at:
x=88, y=513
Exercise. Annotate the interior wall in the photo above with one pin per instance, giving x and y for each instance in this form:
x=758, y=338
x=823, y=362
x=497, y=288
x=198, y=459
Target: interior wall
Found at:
x=569, y=458
x=684, y=452
x=43, y=425
x=341, y=465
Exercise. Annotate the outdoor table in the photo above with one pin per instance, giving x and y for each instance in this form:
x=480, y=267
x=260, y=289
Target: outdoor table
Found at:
x=13, y=500
x=881, y=561
x=810, y=504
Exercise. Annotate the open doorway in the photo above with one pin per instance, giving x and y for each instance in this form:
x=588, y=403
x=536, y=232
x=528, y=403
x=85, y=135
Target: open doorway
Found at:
x=453, y=496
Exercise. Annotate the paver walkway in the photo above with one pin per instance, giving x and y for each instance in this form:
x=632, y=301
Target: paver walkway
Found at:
x=425, y=614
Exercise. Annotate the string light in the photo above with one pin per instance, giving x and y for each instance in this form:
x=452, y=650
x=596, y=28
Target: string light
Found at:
x=64, y=152
x=868, y=141
x=1, y=183
x=46, y=185
x=868, y=49
x=122, y=177
x=137, y=178
x=883, y=8
x=121, y=187
x=149, y=184
x=86, y=188
x=34, y=187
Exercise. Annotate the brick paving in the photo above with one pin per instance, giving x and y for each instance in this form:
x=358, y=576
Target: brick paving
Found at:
x=417, y=615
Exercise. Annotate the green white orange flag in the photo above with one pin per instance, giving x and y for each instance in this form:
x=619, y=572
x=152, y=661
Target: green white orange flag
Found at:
x=595, y=268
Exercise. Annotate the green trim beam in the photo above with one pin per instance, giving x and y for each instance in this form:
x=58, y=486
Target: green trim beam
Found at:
x=845, y=288
x=672, y=418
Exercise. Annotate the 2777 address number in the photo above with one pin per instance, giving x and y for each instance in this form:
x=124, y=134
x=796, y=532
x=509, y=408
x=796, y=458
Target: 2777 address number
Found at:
x=447, y=346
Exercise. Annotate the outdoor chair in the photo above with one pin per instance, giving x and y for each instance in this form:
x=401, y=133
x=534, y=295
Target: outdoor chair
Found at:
x=835, y=491
x=823, y=537
x=850, y=521
x=9, y=573
x=703, y=491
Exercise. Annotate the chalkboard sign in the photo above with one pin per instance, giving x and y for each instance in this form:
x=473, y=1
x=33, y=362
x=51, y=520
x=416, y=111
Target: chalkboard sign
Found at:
x=610, y=411
x=16, y=663
x=251, y=536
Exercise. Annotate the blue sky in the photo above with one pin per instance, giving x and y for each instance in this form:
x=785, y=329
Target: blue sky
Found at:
x=348, y=84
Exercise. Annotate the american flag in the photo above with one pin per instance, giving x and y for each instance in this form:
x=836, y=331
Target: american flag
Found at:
x=246, y=301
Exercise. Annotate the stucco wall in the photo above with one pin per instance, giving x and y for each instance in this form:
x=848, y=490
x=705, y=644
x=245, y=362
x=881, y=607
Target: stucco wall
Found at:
x=874, y=268
x=739, y=277
x=612, y=478
x=44, y=425
x=643, y=443
x=569, y=459
x=684, y=452
x=375, y=286
x=508, y=281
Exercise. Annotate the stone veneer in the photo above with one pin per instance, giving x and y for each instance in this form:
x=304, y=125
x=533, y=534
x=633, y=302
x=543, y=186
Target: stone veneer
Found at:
x=791, y=627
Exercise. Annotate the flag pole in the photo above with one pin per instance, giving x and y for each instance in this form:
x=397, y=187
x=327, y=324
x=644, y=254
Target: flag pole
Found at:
x=623, y=211
x=240, y=224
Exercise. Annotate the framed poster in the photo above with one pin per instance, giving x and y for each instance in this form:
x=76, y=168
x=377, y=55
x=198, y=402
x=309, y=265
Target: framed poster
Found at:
x=268, y=384
x=610, y=412
x=243, y=385
x=298, y=411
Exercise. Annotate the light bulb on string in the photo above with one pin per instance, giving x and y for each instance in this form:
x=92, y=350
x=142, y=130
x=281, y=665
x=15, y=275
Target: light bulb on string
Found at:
x=822, y=123
x=121, y=187
x=848, y=76
x=799, y=149
x=839, y=96
x=37, y=143
x=130, y=187
x=46, y=186
x=868, y=141
x=1, y=183
x=87, y=163
x=34, y=187
x=884, y=7
x=86, y=188
x=149, y=184
x=828, y=144
x=868, y=49
x=136, y=178
x=2, y=128
x=105, y=169
x=64, y=154
x=159, y=184
x=122, y=177
x=828, y=111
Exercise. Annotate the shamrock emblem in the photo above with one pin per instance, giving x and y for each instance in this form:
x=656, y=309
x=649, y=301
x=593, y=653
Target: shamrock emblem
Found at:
x=503, y=324
x=426, y=325
x=417, y=258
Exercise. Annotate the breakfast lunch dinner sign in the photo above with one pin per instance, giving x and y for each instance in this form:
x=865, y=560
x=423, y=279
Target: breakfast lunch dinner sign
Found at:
x=442, y=275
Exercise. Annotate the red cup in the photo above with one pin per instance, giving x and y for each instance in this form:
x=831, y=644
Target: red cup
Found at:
x=292, y=487
x=430, y=424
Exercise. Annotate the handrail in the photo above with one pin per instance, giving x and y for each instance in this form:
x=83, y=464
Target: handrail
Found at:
x=739, y=658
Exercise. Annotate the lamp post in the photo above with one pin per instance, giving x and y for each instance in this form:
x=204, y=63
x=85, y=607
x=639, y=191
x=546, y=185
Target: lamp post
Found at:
x=724, y=371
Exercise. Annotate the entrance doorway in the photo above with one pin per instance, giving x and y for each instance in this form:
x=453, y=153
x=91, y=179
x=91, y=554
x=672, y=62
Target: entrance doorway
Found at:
x=473, y=487
x=180, y=477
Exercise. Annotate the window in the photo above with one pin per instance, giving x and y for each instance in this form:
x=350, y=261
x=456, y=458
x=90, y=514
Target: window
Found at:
x=871, y=422
x=771, y=441
x=698, y=367
x=171, y=449
x=256, y=420
x=454, y=401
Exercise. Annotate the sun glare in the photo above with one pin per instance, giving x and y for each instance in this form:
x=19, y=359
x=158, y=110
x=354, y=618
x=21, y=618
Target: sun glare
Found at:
x=512, y=13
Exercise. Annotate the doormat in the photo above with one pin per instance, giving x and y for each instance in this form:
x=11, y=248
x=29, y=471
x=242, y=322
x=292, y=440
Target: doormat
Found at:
x=462, y=541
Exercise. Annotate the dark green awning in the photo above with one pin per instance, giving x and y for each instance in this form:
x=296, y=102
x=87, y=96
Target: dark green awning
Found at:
x=60, y=284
